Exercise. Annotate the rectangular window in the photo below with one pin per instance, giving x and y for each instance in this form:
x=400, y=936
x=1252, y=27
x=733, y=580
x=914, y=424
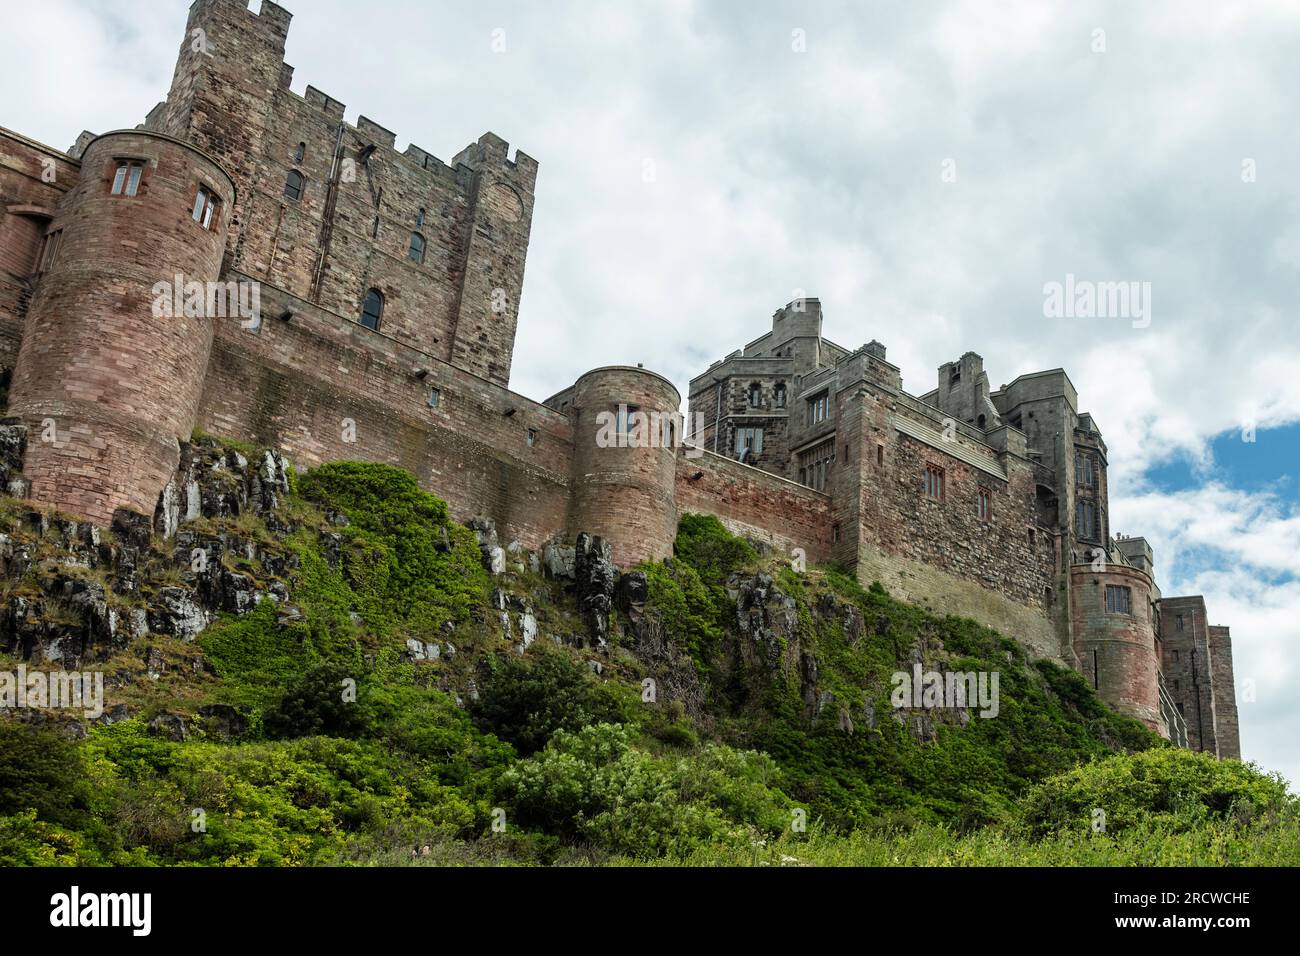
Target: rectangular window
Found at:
x=1083, y=471
x=1175, y=657
x=532, y=437
x=1086, y=520
x=819, y=408
x=435, y=397
x=751, y=439
x=1119, y=600
x=815, y=464
x=1178, y=624
x=934, y=482
x=205, y=207
x=126, y=181
x=880, y=454
x=984, y=504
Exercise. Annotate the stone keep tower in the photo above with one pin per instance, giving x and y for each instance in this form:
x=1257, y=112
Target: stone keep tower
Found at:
x=347, y=227
x=104, y=383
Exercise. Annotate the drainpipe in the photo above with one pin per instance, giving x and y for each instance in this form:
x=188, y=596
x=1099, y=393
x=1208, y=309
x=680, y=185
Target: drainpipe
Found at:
x=327, y=226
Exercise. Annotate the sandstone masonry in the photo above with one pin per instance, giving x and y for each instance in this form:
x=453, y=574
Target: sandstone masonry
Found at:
x=388, y=286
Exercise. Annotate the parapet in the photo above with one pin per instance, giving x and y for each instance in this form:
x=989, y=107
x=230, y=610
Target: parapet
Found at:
x=325, y=103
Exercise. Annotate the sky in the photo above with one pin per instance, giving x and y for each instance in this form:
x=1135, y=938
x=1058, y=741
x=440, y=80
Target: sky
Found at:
x=927, y=168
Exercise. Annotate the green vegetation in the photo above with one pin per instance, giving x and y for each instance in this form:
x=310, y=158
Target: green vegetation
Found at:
x=355, y=754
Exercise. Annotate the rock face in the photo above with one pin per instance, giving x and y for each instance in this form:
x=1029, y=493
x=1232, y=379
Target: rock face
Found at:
x=13, y=442
x=88, y=599
x=673, y=674
x=768, y=622
x=494, y=556
x=596, y=577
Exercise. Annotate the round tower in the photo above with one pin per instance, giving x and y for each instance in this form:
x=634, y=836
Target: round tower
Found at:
x=114, y=354
x=626, y=429
x=1115, y=639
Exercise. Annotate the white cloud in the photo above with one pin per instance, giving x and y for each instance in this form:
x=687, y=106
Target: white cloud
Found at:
x=820, y=171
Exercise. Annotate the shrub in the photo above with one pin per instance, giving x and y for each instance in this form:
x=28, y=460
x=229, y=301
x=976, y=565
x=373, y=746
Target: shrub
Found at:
x=43, y=771
x=323, y=701
x=595, y=785
x=712, y=550
x=412, y=569
x=531, y=696
x=1172, y=789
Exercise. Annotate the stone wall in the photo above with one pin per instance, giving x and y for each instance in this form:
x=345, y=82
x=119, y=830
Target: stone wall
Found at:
x=1227, y=732
x=33, y=180
x=751, y=502
x=324, y=388
x=1188, y=667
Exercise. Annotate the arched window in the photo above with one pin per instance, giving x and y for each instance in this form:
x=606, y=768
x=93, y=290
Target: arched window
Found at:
x=419, y=219
x=416, y=252
x=372, y=309
x=755, y=395
x=778, y=395
x=294, y=185
x=300, y=152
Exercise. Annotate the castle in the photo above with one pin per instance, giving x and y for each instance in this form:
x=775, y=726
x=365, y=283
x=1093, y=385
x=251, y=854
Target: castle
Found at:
x=385, y=287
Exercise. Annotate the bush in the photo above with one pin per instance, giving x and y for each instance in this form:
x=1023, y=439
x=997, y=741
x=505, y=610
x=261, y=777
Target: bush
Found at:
x=714, y=552
x=411, y=568
x=531, y=696
x=595, y=785
x=323, y=701
x=1170, y=789
x=43, y=771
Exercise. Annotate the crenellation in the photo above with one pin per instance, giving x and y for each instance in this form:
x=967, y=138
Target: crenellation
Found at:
x=389, y=285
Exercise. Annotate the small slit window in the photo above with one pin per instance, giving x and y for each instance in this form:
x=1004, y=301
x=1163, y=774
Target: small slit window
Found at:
x=532, y=437
x=435, y=397
x=300, y=152
x=984, y=504
x=778, y=395
x=126, y=181
x=419, y=219
x=416, y=251
x=372, y=309
x=294, y=185
x=627, y=419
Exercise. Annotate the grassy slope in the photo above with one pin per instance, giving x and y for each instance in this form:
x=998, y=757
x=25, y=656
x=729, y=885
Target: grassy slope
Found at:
x=577, y=769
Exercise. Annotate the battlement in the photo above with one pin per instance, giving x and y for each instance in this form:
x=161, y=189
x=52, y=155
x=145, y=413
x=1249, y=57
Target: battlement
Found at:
x=389, y=284
x=271, y=20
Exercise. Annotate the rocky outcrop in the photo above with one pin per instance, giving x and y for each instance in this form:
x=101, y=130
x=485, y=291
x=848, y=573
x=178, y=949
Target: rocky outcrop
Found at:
x=596, y=577
x=672, y=672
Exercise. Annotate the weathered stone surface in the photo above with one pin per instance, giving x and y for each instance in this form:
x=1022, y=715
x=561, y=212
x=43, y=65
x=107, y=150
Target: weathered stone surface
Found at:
x=596, y=577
